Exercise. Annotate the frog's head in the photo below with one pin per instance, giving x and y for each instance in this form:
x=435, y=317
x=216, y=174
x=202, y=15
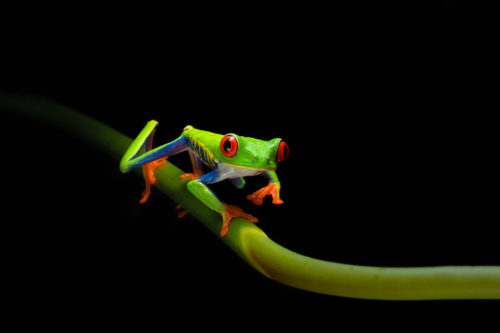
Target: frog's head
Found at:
x=249, y=153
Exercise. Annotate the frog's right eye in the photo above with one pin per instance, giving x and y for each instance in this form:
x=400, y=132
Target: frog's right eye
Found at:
x=229, y=145
x=283, y=151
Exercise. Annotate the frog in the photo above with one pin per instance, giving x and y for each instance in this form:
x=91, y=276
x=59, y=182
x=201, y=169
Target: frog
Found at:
x=228, y=156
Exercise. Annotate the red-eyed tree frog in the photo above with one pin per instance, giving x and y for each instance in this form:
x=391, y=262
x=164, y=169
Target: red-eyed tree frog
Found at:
x=229, y=156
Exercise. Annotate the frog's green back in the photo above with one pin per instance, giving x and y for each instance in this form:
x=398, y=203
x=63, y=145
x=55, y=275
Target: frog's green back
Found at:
x=203, y=144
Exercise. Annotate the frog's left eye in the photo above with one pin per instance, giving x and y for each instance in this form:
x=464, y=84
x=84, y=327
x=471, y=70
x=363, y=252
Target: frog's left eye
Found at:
x=229, y=145
x=283, y=151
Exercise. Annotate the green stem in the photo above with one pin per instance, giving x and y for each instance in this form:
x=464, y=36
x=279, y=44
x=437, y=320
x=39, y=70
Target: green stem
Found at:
x=269, y=258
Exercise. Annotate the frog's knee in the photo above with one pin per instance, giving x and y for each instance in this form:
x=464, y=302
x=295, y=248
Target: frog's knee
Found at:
x=194, y=186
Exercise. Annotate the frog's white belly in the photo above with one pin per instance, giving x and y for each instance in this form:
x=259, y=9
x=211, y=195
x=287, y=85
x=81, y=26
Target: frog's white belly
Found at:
x=234, y=172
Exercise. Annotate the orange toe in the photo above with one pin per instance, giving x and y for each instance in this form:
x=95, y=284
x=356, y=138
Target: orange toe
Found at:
x=145, y=193
x=190, y=175
x=271, y=189
x=182, y=212
x=231, y=212
x=150, y=168
x=149, y=177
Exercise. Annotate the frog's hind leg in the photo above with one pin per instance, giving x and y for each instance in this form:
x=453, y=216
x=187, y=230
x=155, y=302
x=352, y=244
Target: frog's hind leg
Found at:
x=151, y=159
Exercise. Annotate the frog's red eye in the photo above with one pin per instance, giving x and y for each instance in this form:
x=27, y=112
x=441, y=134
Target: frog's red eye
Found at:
x=229, y=145
x=283, y=151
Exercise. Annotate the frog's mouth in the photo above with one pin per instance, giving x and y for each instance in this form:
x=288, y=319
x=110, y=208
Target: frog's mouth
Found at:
x=250, y=167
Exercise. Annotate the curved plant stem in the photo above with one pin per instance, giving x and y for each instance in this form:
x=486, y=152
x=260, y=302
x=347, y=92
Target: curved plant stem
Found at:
x=269, y=258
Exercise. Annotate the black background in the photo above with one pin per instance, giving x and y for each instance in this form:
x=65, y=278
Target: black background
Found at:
x=389, y=113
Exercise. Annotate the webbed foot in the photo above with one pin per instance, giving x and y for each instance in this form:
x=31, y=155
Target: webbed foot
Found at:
x=193, y=176
x=149, y=176
x=231, y=212
x=182, y=212
x=271, y=189
x=150, y=168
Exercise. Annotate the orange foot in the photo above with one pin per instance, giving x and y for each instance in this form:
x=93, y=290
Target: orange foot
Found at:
x=271, y=189
x=149, y=177
x=190, y=175
x=231, y=212
x=182, y=212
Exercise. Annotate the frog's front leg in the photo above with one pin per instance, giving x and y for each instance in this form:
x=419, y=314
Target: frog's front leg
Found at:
x=272, y=189
x=197, y=173
x=198, y=187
